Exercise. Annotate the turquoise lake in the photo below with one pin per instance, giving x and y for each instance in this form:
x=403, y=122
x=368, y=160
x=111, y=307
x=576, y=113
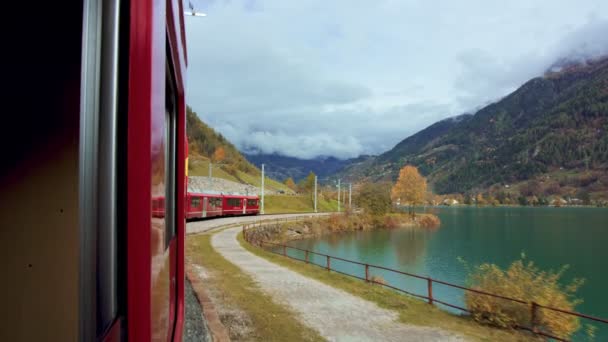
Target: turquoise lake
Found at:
x=551, y=237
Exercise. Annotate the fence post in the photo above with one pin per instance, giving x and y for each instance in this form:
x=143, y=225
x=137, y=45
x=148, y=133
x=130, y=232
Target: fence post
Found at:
x=307, y=256
x=328, y=264
x=366, y=272
x=533, y=314
x=430, y=289
x=284, y=251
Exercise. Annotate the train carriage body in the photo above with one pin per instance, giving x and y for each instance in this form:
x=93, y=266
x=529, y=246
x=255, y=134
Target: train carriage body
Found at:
x=201, y=205
x=104, y=259
x=252, y=205
x=233, y=205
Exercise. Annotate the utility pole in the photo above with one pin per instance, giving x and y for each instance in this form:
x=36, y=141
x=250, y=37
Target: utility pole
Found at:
x=315, y=193
x=262, y=210
x=338, y=195
x=350, y=196
x=209, y=176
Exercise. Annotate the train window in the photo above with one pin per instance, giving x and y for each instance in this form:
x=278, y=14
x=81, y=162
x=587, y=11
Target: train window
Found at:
x=196, y=201
x=170, y=152
x=235, y=202
x=251, y=202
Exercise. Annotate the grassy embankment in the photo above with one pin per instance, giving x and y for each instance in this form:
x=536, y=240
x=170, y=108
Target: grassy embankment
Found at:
x=199, y=166
x=269, y=321
x=275, y=204
x=410, y=310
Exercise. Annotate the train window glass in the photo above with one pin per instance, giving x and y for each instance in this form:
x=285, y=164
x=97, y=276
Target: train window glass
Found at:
x=235, y=202
x=196, y=201
x=170, y=152
x=251, y=202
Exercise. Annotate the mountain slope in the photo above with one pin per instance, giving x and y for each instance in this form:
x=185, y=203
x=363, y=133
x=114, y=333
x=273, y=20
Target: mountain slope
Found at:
x=551, y=122
x=281, y=167
x=204, y=141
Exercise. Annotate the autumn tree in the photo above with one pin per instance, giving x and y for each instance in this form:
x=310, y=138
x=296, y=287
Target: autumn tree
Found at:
x=479, y=199
x=219, y=154
x=410, y=187
x=307, y=184
x=290, y=183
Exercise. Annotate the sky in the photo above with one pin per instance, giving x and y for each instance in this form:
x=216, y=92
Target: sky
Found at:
x=343, y=78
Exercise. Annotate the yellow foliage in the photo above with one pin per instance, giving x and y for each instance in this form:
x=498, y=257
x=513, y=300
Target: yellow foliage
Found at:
x=524, y=281
x=410, y=187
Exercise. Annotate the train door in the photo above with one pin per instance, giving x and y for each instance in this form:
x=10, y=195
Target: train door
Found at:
x=205, y=201
x=244, y=206
x=155, y=167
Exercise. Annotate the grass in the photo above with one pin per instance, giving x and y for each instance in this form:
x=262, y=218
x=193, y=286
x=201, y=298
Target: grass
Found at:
x=270, y=321
x=410, y=310
x=200, y=167
x=269, y=184
x=274, y=204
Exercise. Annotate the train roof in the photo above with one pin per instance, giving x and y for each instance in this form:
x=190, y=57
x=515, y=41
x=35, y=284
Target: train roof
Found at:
x=219, y=194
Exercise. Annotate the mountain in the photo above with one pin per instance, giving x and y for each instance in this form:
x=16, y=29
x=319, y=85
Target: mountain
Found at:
x=282, y=167
x=229, y=164
x=204, y=141
x=554, y=125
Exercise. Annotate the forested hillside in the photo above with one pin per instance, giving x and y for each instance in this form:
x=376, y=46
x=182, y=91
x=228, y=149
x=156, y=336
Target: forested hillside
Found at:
x=553, y=130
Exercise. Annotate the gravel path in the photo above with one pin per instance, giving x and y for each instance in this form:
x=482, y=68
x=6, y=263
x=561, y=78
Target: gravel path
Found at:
x=335, y=314
x=195, y=329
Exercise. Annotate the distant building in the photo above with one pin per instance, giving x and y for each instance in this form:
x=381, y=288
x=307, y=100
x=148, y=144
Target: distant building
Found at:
x=450, y=201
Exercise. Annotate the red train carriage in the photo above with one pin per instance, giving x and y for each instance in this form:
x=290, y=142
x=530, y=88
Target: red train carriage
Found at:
x=252, y=205
x=203, y=205
x=92, y=202
x=233, y=205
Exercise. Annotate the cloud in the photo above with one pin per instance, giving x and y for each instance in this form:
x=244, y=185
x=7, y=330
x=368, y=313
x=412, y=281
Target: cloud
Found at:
x=343, y=78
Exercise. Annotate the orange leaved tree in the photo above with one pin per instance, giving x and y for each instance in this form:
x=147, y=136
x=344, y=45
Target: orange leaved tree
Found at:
x=218, y=155
x=291, y=184
x=410, y=187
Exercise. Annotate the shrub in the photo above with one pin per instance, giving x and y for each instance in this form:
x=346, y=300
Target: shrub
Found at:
x=525, y=281
x=429, y=221
x=392, y=221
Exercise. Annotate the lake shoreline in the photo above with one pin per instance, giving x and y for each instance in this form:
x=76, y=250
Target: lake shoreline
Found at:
x=339, y=224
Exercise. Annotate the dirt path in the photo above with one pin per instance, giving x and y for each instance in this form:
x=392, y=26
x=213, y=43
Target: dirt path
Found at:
x=337, y=315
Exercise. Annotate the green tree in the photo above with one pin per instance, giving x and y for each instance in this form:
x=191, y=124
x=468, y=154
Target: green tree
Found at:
x=307, y=184
x=374, y=198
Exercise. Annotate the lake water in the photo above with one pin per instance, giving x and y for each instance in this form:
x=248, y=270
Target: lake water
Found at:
x=550, y=237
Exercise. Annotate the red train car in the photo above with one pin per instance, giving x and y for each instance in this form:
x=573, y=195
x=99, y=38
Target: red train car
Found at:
x=252, y=204
x=233, y=205
x=202, y=205
x=101, y=122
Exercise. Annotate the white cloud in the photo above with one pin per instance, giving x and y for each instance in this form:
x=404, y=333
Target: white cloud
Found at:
x=345, y=77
